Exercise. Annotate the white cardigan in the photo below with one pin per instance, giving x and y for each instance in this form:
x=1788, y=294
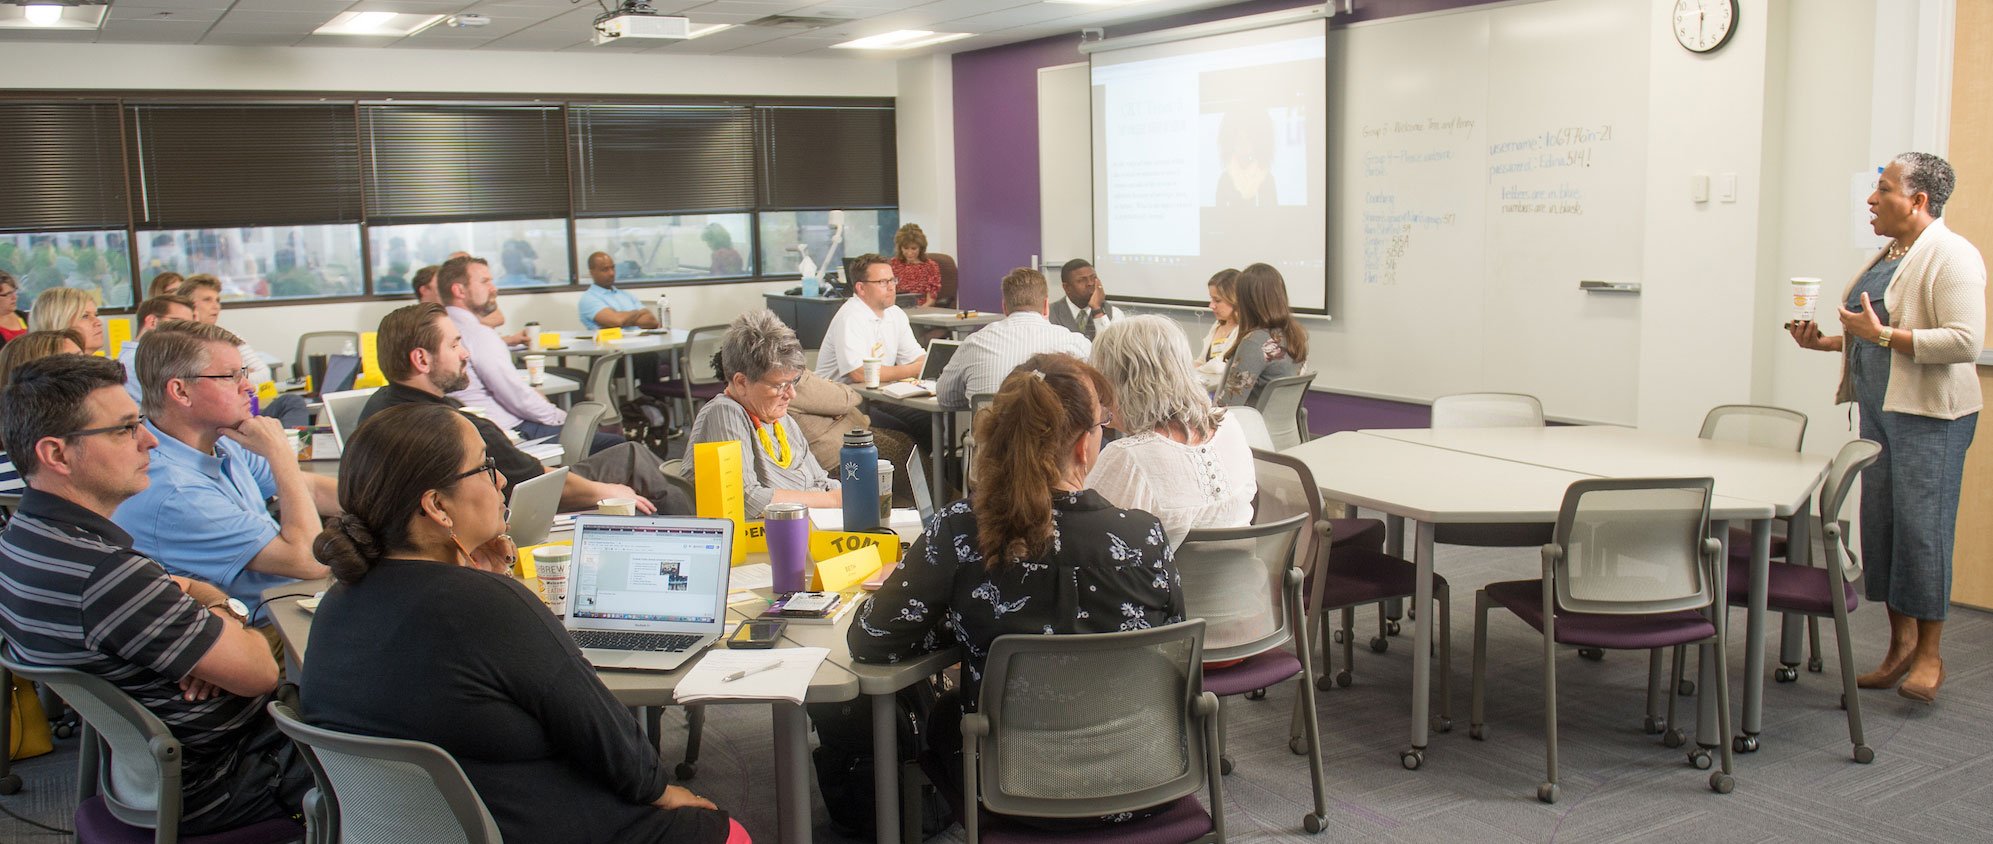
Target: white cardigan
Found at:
x=1939, y=291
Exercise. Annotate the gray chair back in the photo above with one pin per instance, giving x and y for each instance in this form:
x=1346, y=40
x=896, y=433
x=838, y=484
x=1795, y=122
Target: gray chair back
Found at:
x=141, y=782
x=1087, y=725
x=1279, y=403
x=1848, y=464
x=9, y=503
x=1257, y=435
x=1487, y=410
x=674, y=472
x=1635, y=546
x=578, y=432
x=1239, y=579
x=697, y=356
x=1755, y=424
x=322, y=343
x=977, y=401
x=388, y=791
x=602, y=379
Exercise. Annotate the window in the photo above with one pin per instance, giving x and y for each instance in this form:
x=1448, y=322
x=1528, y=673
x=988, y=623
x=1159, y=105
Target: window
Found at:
x=61, y=167
x=221, y=166
x=869, y=230
x=696, y=246
x=257, y=263
x=651, y=160
x=828, y=157
x=92, y=260
x=450, y=163
x=522, y=253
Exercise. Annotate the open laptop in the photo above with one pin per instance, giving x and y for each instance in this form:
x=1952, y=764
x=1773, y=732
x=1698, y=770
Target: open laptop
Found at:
x=343, y=408
x=648, y=592
x=534, y=503
x=923, y=497
x=939, y=353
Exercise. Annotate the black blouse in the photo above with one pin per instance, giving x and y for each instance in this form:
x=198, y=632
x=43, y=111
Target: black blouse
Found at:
x=473, y=663
x=1107, y=570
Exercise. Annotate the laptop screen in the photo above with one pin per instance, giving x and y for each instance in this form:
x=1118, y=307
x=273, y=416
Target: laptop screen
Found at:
x=939, y=352
x=663, y=570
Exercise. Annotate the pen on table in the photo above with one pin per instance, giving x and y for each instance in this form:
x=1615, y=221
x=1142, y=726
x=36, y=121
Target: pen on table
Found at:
x=746, y=672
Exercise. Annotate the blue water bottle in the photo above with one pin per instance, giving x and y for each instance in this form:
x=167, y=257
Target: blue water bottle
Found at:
x=858, y=473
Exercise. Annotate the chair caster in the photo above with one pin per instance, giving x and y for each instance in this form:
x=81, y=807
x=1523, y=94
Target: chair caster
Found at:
x=1701, y=758
x=1256, y=694
x=1477, y=732
x=1314, y=823
x=1863, y=754
x=1674, y=738
x=1225, y=765
x=1744, y=744
x=1297, y=746
x=1654, y=726
x=1722, y=783
x=1324, y=683
x=1380, y=644
x=1686, y=689
x=1412, y=759
x=1338, y=637
x=685, y=771
x=1343, y=679
x=1441, y=724
x=11, y=783
x=1391, y=628
x=1814, y=665
x=1593, y=654
x=65, y=730
x=1786, y=673
x=1547, y=792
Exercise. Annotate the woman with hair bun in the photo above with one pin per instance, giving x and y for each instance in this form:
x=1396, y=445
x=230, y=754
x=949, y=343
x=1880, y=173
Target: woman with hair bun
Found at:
x=1032, y=550
x=425, y=637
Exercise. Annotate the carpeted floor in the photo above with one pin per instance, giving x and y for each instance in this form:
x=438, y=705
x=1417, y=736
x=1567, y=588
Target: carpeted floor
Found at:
x=1932, y=779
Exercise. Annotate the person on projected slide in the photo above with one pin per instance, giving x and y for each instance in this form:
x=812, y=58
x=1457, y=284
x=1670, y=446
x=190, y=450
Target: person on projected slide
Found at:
x=1245, y=158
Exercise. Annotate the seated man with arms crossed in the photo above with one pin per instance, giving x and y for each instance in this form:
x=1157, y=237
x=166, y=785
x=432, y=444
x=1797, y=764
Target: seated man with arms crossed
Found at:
x=77, y=595
x=988, y=356
x=494, y=385
x=423, y=356
x=204, y=515
x=151, y=313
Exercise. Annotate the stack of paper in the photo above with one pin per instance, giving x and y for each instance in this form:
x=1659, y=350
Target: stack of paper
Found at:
x=778, y=674
x=832, y=518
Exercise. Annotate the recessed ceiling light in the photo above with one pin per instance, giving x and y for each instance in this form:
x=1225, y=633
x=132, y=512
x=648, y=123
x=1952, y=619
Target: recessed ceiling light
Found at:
x=51, y=16
x=377, y=23
x=904, y=39
x=699, y=29
x=44, y=15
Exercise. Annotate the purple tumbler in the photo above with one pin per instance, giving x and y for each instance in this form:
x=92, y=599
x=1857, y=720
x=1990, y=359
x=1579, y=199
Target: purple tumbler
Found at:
x=788, y=531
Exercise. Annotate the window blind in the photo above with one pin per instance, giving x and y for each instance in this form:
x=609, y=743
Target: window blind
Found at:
x=219, y=165
x=457, y=163
x=61, y=166
x=656, y=160
x=828, y=157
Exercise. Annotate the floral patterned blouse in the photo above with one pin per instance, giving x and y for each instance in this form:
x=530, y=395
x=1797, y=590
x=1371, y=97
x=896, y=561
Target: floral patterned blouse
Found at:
x=922, y=278
x=1260, y=358
x=1108, y=570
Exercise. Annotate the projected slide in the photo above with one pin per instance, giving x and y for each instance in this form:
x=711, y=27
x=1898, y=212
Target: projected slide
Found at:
x=1211, y=153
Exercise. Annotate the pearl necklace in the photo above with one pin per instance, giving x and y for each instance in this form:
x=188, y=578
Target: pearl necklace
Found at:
x=1895, y=251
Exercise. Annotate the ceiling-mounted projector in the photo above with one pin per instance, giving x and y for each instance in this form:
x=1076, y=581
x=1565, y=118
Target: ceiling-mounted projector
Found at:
x=637, y=19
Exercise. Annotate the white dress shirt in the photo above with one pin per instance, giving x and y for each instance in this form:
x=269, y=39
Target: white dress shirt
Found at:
x=856, y=333
x=988, y=356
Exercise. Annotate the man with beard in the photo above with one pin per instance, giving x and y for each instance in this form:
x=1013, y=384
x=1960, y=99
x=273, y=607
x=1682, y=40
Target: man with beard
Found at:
x=465, y=286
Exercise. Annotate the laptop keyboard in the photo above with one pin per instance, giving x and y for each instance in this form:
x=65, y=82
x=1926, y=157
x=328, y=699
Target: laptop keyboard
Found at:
x=616, y=640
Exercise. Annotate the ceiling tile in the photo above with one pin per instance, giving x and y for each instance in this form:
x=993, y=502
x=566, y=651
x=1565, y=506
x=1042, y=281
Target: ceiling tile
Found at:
x=413, y=7
x=249, y=39
x=1000, y=20
x=173, y=5
x=348, y=40
x=122, y=12
x=331, y=7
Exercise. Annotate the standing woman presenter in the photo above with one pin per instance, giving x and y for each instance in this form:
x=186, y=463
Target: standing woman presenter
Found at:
x=1912, y=324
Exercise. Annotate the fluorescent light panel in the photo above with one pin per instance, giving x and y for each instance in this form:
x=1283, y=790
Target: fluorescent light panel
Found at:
x=52, y=17
x=904, y=39
x=391, y=24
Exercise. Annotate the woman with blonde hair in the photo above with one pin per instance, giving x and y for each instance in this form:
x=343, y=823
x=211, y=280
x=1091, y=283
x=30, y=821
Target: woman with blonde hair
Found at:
x=1271, y=343
x=916, y=273
x=68, y=307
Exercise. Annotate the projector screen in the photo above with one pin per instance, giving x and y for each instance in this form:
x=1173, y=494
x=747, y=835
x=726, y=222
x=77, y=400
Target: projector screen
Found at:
x=1211, y=152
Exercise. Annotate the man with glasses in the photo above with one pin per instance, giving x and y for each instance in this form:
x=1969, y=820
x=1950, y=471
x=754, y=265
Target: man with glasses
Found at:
x=423, y=356
x=205, y=515
x=869, y=325
x=77, y=595
x=151, y=313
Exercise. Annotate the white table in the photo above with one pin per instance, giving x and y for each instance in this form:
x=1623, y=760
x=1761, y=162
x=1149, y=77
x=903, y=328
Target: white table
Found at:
x=1433, y=485
x=940, y=426
x=1784, y=479
x=583, y=345
x=956, y=322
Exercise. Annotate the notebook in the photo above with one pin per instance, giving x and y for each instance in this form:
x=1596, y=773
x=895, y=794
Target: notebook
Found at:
x=648, y=592
x=939, y=353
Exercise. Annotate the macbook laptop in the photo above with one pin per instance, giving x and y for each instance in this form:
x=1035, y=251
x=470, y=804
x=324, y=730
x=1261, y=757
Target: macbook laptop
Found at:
x=648, y=592
x=343, y=408
x=923, y=497
x=534, y=503
x=939, y=353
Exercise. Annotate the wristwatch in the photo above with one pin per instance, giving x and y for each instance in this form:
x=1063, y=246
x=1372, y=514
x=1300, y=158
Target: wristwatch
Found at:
x=235, y=607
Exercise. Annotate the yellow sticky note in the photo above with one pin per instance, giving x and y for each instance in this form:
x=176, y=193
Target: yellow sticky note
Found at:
x=116, y=332
x=604, y=335
x=716, y=476
x=825, y=544
x=846, y=571
x=550, y=339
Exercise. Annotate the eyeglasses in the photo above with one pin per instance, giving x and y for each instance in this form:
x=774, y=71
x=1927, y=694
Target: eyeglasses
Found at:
x=1101, y=426
x=887, y=280
x=781, y=387
x=489, y=467
x=127, y=429
x=240, y=376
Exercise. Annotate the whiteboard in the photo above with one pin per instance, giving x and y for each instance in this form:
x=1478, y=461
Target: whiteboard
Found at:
x=1486, y=161
x=1065, y=164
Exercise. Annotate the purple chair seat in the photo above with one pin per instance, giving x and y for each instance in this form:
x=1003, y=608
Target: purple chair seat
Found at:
x=1183, y=820
x=1792, y=588
x=1740, y=545
x=96, y=825
x=1592, y=630
x=1256, y=672
x=1367, y=534
x=1363, y=576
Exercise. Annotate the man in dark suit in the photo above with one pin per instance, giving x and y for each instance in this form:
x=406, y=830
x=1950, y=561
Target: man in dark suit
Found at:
x=1085, y=307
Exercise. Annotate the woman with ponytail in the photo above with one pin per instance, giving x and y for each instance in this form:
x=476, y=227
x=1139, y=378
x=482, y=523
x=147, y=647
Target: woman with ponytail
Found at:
x=427, y=637
x=1032, y=550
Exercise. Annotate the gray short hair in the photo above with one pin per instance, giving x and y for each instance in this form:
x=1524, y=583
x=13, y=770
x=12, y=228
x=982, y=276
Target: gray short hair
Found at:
x=1147, y=359
x=174, y=350
x=1929, y=175
x=756, y=343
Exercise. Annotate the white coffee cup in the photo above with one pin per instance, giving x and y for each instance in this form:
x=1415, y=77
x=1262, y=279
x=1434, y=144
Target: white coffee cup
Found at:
x=533, y=341
x=551, y=564
x=616, y=507
x=872, y=372
x=1805, y=298
x=536, y=369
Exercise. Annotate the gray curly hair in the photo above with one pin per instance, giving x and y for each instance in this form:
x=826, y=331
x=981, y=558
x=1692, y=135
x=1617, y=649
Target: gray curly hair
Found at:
x=1929, y=175
x=1147, y=359
x=756, y=343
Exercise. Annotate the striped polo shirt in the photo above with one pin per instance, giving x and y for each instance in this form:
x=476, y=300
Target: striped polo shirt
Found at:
x=73, y=594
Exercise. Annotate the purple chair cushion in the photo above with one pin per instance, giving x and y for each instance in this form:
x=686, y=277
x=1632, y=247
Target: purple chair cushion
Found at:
x=1367, y=534
x=1358, y=576
x=1184, y=820
x=96, y=825
x=1257, y=672
x=1592, y=630
x=1793, y=588
x=1740, y=545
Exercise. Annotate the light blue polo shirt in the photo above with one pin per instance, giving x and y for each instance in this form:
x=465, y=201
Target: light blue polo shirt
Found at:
x=598, y=297
x=204, y=516
x=128, y=358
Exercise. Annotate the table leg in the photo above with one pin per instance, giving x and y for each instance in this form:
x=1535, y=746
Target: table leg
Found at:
x=937, y=469
x=885, y=768
x=1421, y=649
x=792, y=773
x=1394, y=544
x=629, y=378
x=1754, y=633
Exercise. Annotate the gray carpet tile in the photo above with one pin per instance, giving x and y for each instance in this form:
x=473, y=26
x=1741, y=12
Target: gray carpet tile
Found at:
x=1932, y=778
